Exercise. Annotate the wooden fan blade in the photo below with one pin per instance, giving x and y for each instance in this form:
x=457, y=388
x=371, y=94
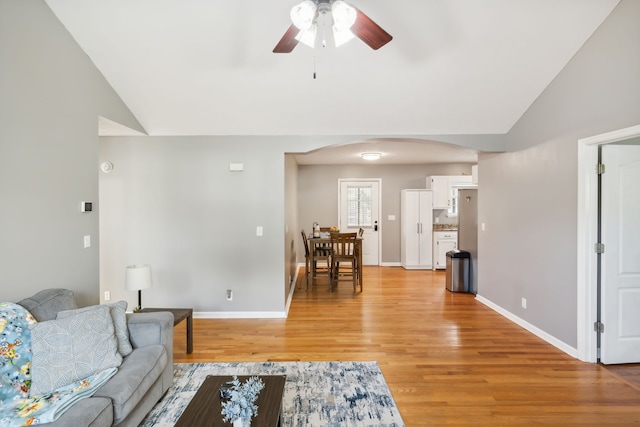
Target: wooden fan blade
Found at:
x=288, y=41
x=369, y=32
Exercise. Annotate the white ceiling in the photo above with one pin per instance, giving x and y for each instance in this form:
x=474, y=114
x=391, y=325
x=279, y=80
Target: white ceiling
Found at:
x=393, y=151
x=206, y=67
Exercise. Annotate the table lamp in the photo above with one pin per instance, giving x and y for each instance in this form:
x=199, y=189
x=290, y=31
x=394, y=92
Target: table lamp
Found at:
x=138, y=278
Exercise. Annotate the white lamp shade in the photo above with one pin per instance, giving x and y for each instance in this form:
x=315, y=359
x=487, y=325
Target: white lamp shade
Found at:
x=344, y=16
x=340, y=37
x=138, y=277
x=303, y=13
x=308, y=37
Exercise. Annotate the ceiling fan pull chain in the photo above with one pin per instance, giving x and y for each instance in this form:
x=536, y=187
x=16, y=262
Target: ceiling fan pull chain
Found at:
x=324, y=30
x=314, y=67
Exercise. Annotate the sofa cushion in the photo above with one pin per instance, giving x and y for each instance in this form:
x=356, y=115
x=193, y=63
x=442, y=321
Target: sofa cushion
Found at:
x=46, y=304
x=138, y=372
x=71, y=349
x=90, y=412
x=118, y=314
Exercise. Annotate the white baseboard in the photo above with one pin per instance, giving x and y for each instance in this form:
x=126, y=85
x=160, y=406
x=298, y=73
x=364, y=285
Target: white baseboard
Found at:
x=390, y=264
x=251, y=314
x=382, y=264
x=239, y=315
x=292, y=289
x=573, y=352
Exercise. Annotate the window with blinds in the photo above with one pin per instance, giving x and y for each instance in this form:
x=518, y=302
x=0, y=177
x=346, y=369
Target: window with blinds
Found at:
x=358, y=206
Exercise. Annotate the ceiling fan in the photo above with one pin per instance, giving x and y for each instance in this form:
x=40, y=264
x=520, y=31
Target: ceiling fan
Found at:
x=346, y=22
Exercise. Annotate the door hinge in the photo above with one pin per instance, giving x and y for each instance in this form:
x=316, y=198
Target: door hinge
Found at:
x=600, y=168
x=598, y=327
x=599, y=249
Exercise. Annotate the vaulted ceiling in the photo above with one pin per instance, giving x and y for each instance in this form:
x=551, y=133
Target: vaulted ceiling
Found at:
x=201, y=67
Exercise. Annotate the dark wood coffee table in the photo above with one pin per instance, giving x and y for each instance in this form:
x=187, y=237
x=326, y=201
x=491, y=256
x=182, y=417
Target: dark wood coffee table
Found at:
x=205, y=408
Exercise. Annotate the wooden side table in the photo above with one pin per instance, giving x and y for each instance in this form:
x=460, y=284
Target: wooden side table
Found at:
x=179, y=314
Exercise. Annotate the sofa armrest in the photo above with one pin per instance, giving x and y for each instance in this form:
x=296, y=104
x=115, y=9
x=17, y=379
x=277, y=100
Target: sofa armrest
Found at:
x=151, y=328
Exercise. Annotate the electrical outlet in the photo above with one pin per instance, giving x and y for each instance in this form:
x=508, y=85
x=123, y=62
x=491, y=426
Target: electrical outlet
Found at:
x=229, y=295
x=107, y=295
x=87, y=242
x=524, y=303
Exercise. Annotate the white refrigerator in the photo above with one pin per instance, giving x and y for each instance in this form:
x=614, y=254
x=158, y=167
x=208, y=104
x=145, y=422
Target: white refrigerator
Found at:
x=468, y=231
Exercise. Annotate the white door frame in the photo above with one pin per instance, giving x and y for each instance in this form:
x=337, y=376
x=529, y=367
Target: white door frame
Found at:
x=379, y=181
x=587, y=237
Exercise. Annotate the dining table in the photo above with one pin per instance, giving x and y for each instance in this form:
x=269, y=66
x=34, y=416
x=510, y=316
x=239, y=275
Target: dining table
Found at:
x=325, y=240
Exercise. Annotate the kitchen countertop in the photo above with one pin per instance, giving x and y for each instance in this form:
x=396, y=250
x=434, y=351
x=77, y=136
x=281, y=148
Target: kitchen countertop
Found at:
x=445, y=227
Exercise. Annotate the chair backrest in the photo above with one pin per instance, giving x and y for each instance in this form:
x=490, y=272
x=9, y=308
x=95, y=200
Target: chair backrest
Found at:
x=306, y=244
x=343, y=244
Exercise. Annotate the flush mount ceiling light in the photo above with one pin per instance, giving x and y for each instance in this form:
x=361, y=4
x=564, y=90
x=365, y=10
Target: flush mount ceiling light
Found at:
x=346, y=23
x=371, y=156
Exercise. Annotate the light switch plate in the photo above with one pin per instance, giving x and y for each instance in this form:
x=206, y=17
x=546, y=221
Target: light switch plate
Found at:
x=87, y=241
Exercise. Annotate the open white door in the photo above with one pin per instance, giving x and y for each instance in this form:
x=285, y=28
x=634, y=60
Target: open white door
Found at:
x=621, y=259
x=359, y=206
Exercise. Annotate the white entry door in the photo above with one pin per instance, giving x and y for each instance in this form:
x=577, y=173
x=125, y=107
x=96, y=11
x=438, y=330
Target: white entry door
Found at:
x=359, y=206
x=621, y=259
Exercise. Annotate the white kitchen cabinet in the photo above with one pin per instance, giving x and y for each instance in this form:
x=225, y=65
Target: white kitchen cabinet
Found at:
x=439, y=186
x=445, y=190
x=416, y=243
x=443, y=242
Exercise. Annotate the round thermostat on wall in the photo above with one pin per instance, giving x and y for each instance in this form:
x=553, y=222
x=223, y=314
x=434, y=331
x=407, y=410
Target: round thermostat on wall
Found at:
x=106, y=167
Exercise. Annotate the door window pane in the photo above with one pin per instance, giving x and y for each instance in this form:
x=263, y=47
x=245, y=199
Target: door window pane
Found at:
x=358, y=206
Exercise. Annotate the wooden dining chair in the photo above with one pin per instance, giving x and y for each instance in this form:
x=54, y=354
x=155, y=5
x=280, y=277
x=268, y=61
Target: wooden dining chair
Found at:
x=311, y=263
x=344, y=251
x=326, y=246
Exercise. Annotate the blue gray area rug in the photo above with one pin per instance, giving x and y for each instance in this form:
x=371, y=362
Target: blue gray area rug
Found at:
x=315, y=393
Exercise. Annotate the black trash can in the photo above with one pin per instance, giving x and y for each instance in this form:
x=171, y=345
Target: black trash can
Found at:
x=457, y=277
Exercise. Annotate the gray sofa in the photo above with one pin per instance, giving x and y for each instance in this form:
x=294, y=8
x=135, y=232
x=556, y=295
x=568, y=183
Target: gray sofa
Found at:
x=142, y=378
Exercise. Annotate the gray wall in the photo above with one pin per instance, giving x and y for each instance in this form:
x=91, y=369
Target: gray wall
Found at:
x=50, y=98
x=528, y=197
x=318, y=195
x=291, y=221
x=172, y=202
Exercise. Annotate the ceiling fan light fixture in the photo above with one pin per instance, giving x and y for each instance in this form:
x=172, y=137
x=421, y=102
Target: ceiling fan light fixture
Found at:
x=371, y=156
x=340, y=37
x=344, y=16
x=303, y=14
x=308, y=36
x=341, y=16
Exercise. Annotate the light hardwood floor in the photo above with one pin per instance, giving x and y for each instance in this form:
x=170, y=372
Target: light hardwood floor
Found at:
x=447, y=358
